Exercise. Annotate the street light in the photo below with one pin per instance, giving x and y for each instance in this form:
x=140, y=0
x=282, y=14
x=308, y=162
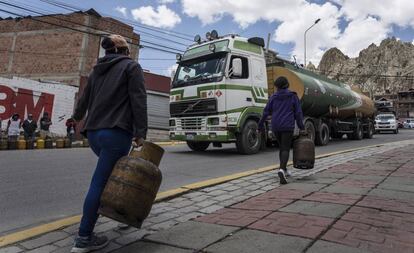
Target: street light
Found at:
x=316, y=21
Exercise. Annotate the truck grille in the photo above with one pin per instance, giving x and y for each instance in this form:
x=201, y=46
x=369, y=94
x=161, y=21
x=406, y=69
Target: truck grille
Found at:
x=199, y=107
x=191, y=123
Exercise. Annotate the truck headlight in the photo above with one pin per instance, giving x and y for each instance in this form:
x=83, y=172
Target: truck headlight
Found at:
x=172, y=122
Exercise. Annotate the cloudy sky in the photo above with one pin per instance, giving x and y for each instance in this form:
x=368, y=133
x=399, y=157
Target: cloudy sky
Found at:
x=350, y=25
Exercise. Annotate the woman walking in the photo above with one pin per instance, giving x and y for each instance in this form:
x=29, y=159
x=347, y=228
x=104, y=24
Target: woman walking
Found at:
x=116, y=104
x=285, y=109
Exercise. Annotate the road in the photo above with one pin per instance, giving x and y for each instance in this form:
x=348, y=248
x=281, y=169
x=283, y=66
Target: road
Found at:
x=39, y=186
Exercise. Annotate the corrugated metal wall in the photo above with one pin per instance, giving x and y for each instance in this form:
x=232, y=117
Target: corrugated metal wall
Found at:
x=158, y=110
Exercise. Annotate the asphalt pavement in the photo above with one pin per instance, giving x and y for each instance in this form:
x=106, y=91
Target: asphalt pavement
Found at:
x=40, y=186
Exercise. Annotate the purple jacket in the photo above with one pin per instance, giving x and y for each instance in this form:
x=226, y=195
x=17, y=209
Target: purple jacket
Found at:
x=285, y=108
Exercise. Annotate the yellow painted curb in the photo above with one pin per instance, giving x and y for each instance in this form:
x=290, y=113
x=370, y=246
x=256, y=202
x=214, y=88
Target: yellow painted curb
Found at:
x=42, y=229
x=25, y=234
x=171, y=193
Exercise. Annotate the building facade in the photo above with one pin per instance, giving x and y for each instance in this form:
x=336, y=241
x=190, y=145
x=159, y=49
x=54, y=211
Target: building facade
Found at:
x=64, y=48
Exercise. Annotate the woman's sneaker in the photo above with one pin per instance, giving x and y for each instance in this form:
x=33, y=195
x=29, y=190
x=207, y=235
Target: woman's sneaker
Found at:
x=282, y=177
x=287, y=173
x=89, y=243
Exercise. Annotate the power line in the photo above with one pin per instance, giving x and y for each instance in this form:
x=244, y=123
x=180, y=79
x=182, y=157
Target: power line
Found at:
x=79, y=24
x=140, y=32
x=154, y=45
x=156, y=29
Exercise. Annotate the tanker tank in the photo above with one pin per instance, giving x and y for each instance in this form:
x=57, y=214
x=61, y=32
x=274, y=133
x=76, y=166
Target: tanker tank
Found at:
x=320, y=96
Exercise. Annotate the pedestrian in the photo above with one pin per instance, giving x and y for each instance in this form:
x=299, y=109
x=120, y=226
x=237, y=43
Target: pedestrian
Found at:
x=70, y=128
x=45, y=123
x=29, y=127
x=13, y=127
x=1, y=128
x=116, y=104
x=284, y=108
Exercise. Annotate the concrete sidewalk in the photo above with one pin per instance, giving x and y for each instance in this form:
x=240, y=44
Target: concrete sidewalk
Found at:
x=365, y=205
x=361, y=201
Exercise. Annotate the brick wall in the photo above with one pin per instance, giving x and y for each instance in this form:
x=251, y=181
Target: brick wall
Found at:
x=36, y=50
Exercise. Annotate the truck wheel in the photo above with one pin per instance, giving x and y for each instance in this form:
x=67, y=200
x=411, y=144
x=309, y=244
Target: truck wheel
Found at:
x=370, y=131
x=249, y=141
x=396, y=131
x=358, y=132
x=310, y=128
x=322, y=136
x=198, y=146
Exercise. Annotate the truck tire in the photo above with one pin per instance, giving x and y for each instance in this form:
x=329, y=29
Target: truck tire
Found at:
x=396, y=131
x=198, y=146
x=248, y=142
x=310, y=128
x=370, y=131
x=322, y=136
x=358, y=133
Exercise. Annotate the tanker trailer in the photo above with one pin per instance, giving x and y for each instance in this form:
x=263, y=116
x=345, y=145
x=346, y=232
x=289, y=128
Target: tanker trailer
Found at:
x=331, y=109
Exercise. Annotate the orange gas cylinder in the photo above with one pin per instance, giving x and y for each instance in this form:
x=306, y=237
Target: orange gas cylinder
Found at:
x=60, y=143
x=303, y=153
x=40, y=143
x=133, y=185
x=21, y=143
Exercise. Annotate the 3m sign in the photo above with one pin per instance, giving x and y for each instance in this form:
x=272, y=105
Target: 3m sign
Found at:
x=25, y=96
x=23, y=102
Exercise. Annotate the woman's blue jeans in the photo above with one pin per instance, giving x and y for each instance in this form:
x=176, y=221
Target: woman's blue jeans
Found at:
x=109, y=145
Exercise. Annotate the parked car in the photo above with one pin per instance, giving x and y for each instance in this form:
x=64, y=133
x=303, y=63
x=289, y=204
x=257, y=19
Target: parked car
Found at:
x=386, y=122
x=409, y=123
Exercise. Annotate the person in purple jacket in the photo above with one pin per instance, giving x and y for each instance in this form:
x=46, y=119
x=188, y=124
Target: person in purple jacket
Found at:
x=285, y=109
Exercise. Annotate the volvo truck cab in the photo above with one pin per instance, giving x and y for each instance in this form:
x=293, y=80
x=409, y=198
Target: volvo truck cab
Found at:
x=218, y=93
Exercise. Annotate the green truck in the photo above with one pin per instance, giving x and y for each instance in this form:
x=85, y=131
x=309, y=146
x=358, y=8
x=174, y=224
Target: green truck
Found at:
x=223, y=83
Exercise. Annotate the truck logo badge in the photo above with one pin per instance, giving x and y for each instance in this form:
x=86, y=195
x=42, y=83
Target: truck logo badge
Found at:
x=191, y=107
x=219, y=93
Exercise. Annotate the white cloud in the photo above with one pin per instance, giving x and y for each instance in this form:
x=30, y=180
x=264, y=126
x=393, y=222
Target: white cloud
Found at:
x=161, y=17
x=367, y=21
x=121, y=10
x=166, y=1
x=171, y=69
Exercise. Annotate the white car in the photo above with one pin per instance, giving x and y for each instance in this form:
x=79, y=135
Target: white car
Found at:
x=386, y=122
x=409, y=123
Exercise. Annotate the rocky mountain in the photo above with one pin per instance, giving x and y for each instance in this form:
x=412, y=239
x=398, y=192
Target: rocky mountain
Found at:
x=384, y=69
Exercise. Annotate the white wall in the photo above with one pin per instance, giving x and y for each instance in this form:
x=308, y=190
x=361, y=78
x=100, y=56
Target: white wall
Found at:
x=63, y=102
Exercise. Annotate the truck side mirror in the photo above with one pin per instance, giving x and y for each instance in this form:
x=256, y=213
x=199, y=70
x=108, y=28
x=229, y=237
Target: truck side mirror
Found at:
x=237, y=67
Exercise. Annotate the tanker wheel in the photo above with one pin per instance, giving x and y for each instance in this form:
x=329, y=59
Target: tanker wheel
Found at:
x=198, y=146
x=322, y=136
x=310, y=129
x=358, y=133
x=248, y=142
x=370, y=131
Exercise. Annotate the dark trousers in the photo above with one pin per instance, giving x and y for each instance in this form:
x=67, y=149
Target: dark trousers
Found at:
x=284, y=140
x=109, y=145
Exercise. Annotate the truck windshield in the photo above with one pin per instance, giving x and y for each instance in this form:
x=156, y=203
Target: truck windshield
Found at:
x=205, y=69
x=385, y=117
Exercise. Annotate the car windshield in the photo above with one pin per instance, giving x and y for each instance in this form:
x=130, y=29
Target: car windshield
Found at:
x=201, y=70
x=385, y=117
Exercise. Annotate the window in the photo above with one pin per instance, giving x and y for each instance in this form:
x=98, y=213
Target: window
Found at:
x=245, y=67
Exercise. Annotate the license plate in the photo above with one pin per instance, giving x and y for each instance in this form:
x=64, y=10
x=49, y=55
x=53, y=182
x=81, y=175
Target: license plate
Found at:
x=190, y=137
